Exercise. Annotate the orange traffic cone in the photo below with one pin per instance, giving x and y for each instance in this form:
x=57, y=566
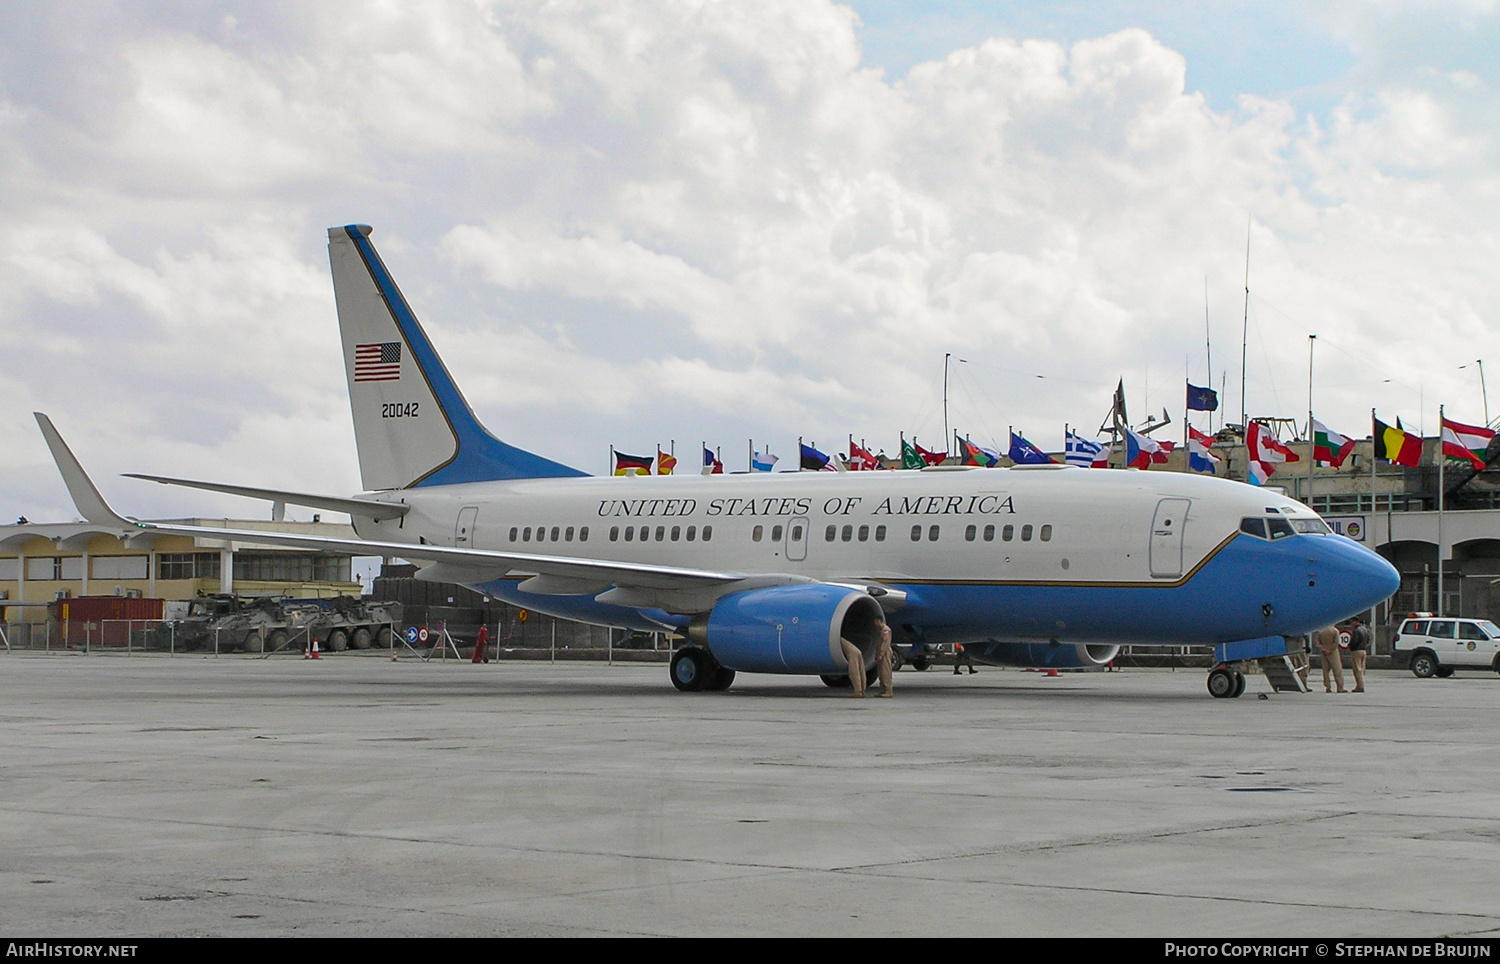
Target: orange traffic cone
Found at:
x=315, y=650
x=1050, y=672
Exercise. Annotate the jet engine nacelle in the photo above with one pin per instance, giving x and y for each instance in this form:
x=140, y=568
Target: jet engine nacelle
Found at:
x=1045, y=655
x=789, y=629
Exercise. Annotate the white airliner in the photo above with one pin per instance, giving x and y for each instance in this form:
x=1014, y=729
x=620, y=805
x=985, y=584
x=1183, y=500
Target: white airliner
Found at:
x=1038, y=566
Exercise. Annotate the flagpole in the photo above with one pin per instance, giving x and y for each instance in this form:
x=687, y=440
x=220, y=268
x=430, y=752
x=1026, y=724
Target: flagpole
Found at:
x=799, y=453
x=1245, y=333
x=1370, y=528
x=611, y=460
x=750, y=445
x=1187, y=431
x=946, y=430
x=1311, y=441
x=1441, y=460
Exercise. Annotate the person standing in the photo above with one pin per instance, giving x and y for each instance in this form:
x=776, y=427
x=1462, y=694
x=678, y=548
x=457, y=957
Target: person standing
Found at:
x=856, y=661
x=482, y=645
x=961, y=657
x=883, y=658
x=1327, y=641
x=1359, y=651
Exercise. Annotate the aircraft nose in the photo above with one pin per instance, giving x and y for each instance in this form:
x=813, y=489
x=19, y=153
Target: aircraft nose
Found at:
x=1355, y=578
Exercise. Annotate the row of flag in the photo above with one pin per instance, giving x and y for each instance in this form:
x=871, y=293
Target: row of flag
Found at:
x=1264, y=450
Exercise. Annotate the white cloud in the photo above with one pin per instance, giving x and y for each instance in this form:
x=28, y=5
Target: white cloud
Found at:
x=706, y=220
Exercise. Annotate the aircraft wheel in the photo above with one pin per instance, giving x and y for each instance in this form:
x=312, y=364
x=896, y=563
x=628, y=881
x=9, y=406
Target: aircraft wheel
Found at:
x=1423, y=665
x=338, y=640
x=721, y=679
x=1239, y=684
x=919, y=662
x=1221, y=684
x=690, y=669
x=835, y=680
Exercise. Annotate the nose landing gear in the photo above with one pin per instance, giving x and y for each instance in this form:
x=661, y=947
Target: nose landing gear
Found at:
x=1225, y=683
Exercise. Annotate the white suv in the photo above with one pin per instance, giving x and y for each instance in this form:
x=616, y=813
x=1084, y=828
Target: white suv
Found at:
x=1436, y=647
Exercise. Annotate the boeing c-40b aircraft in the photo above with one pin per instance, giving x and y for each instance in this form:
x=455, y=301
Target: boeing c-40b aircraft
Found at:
x=1045, y=566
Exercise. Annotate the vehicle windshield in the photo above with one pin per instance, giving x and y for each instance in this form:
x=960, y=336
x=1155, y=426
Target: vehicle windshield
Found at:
x=1490, y=628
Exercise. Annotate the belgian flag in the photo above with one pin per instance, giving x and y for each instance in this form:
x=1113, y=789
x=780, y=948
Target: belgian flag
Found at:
x=1396, y=445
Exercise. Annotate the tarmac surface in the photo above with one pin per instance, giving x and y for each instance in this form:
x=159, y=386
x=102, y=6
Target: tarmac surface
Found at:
x=154, y=796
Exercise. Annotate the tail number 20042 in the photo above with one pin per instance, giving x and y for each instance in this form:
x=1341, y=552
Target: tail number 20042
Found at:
x=399, y=410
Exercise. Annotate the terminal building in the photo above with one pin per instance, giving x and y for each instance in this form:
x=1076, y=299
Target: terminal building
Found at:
x=41, y=563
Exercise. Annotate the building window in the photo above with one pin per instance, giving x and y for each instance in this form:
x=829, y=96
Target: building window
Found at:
x=187, y=565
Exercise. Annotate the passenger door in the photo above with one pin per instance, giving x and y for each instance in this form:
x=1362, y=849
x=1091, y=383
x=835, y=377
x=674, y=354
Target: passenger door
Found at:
x=1166, y=538
x=1473, y=645
x=1443, y=637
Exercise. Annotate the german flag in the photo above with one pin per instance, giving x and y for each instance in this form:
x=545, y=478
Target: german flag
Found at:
x=1395, y=445
x=625, y=463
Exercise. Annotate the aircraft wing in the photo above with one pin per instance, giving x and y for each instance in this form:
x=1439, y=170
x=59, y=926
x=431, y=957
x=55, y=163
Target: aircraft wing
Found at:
x=375, y=509
x=635, y=584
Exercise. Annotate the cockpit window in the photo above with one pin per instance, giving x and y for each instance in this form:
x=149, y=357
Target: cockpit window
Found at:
x=1280, y=528
x=1311, y=525
x=1253, y=525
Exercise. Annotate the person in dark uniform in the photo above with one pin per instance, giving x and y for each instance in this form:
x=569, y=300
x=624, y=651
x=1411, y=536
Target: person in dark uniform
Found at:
x=961, y=657
x=1359, y=651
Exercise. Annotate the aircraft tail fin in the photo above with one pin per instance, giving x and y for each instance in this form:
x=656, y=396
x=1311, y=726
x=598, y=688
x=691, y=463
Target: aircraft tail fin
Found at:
x=412, y=426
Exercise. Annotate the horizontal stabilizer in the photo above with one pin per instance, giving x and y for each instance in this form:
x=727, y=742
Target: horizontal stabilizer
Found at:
x=365, y=508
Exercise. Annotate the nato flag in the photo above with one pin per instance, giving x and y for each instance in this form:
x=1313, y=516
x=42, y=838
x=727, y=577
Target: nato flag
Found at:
x=1202, y=399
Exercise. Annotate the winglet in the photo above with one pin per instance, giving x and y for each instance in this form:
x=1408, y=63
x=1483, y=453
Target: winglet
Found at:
x=90, y=503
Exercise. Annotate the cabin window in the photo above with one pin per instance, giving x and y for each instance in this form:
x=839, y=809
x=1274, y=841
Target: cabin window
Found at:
x=776, y=532
x=1046, y=533
x=692, y=533
x=541, y=533
x=1026, y=532
x=831, y=533
x=847, y=534
x=568, y=534
x=757, y=533
x=864, y=533
x=916, y=533
x=676, y=533
x=583, y=534
x=1008, y=533
x=880, y=533
x=708, y=533
x=526, y=534
x=796, y=533
x=555, y=533
x=614, y=533
x=629, y=533
x=932, y=534
x=989, y=533
x=661, y=533
x=514, y=532
x=970, y=532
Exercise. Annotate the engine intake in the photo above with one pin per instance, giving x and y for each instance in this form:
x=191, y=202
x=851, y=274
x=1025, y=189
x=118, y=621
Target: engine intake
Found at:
x=789, y=629
x=1050, y=655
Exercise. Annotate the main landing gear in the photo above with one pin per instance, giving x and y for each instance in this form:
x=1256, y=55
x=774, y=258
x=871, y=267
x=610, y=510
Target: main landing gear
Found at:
x=694, y=669
x=1225, y=683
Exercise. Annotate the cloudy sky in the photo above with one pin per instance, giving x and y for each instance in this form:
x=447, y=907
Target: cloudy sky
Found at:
x=624, y=223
